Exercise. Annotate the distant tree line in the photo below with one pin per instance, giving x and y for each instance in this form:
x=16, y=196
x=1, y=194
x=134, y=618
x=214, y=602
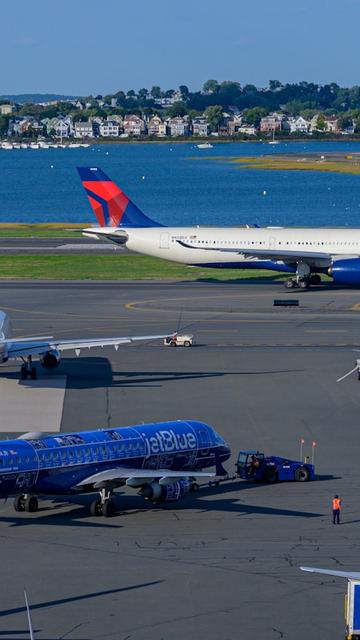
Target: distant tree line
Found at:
x=302, y=98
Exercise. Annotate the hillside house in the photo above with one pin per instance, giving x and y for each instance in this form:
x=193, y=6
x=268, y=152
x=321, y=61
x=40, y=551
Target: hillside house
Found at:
x=109, y=129
x=200, y=126
x=134, y=126
x=178, y=126
x=84, y=130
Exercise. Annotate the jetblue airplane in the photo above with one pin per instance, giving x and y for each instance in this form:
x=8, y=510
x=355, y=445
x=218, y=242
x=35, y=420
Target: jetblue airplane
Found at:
x=161, y=460
x=304, y=253
x=48, y=348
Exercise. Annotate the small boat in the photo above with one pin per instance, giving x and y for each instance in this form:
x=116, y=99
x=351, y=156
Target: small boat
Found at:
x=273, y=141
x=34, y=145
x=7, y=146
x=205, y=145
x=84, y=145
x=23, y=145
x=74, y=145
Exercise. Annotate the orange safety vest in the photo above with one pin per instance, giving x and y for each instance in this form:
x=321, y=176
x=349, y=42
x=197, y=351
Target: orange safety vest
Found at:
x=336, y=504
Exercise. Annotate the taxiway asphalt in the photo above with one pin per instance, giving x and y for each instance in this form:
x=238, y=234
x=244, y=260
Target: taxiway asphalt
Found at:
x=222, y=563
x=48, y=246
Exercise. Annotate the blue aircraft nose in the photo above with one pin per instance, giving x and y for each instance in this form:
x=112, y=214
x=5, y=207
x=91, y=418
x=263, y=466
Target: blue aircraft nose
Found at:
x=226, y=451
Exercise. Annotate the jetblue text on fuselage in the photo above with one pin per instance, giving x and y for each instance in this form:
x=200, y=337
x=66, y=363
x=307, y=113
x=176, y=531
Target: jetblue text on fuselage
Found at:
x=166, y=441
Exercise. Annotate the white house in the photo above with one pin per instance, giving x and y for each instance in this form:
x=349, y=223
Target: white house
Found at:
x=298, y=125
x=109, y=129
x=330, y=123
x=178, y=126
x=247, y=129
x=6, y=109
x=200, y=126
x=84, y=130
x=63, y=127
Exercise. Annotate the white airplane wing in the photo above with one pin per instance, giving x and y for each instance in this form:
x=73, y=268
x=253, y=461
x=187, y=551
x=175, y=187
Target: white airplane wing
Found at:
x=119, y=475
x=31, y=630
x=17, y=348
x=354, y=575
x=274, y=254
x=347, y=374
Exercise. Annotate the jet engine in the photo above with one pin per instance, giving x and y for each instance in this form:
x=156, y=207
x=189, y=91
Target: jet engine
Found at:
x=155, y=492
x=345, y=271
x=50, y=359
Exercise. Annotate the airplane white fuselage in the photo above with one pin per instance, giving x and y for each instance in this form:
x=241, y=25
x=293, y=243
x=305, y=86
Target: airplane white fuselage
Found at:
x=163, y=242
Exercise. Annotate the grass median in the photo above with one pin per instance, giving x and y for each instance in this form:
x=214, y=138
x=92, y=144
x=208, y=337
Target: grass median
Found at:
x=91, y=267
x=43, y=230
x=331, y=162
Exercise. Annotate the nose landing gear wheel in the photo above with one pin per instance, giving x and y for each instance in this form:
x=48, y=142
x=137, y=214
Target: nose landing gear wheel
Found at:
x=28, y=370
x=95, y=508
x=108, y=509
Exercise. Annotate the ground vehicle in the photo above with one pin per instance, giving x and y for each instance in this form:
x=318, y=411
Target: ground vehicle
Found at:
x=255, y=466
x=177, y=340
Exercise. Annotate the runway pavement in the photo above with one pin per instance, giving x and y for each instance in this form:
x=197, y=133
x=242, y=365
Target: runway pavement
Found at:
x=223, y=563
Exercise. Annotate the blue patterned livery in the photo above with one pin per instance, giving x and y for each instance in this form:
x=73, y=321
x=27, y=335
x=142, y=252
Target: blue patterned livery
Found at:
x=161, y=460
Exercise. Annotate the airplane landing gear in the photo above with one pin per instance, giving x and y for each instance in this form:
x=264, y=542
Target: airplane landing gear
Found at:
x=27, y=369
x=103, y=506
x=27, y=503
x=303, y=282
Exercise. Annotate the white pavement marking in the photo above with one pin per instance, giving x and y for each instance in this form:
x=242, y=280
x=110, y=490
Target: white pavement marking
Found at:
x=31, y=405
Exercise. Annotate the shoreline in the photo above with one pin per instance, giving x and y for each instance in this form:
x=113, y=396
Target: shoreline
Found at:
x=189, y=139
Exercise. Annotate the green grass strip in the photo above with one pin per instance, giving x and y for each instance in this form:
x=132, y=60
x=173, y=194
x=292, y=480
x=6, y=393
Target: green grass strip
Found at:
x=93, y=267
x=45, y=230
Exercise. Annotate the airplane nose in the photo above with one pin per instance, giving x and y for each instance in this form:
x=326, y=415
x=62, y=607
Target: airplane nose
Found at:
x=226, y=451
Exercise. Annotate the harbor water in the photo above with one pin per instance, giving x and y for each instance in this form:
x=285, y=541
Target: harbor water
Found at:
x=179, y=184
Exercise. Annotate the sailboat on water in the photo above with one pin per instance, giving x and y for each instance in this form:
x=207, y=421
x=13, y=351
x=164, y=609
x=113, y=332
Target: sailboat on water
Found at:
x=273, y=141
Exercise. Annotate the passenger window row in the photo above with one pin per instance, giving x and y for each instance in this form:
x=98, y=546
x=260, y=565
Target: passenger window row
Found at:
x=83, y=454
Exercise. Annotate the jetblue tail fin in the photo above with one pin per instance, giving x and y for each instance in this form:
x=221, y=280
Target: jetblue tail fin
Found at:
x=111, y=206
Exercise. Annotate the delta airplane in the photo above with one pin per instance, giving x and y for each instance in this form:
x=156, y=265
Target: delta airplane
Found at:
x=161, y=460
x=305, y=253
x=49, y=349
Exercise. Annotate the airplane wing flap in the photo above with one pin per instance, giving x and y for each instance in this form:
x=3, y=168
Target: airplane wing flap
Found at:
x=63, y=345
x=274, y=254
x=119, y=475
x=23, y=347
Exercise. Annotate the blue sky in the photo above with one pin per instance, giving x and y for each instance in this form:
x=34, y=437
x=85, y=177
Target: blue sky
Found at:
x=84, y=47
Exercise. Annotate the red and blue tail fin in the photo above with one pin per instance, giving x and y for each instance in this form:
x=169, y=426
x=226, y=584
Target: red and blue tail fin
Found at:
x=111, y=206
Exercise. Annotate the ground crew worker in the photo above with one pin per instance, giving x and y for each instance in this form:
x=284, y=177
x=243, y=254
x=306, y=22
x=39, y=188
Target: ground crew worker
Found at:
x=336, y=507
x=254, y=465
